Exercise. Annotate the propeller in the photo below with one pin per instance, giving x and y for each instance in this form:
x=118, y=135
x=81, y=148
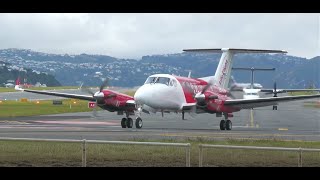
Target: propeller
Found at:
x=274, y=91
x=87, y=90
x=98, y=96
x=103, y=85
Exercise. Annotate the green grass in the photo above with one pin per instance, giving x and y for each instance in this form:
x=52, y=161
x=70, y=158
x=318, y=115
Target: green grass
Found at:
x=19, y=153
x=31, y=108
x=312, y=104
x=3, y=89
x=302, y=93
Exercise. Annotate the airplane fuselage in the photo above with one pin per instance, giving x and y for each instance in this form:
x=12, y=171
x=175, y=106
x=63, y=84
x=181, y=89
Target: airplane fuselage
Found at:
x=164, y=92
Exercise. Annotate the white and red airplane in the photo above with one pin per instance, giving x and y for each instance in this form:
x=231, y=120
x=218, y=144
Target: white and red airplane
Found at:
x=169, y=93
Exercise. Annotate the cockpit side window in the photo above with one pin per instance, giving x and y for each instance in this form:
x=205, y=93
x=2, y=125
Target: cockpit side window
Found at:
x=173, y=83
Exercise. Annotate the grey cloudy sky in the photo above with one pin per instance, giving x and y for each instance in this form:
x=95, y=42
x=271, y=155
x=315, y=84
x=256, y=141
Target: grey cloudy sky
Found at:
x=135, y=35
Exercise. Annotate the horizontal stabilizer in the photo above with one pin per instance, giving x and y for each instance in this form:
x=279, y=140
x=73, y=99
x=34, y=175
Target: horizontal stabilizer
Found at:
x=219, y=50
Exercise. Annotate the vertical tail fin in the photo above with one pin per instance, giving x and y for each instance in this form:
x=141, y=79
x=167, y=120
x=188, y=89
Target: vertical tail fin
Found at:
x=223, y=72
x=18, y=81
x=17, y=86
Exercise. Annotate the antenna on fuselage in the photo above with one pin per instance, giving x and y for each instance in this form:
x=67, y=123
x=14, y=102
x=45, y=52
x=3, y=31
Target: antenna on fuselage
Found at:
x=189, y=75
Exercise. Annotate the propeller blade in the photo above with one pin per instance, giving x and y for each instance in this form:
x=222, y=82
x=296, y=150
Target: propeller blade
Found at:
x=94, y=111
x=193, y=113
x=231, y=95
x=87, y=91
x=189, y=89
x=205, y=88
x=275, y=89
x=104, y=84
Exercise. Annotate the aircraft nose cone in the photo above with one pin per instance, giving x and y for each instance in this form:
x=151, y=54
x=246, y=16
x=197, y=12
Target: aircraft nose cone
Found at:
x=140, y=95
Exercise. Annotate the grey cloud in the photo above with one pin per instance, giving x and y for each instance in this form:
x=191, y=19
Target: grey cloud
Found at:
x=135, y=35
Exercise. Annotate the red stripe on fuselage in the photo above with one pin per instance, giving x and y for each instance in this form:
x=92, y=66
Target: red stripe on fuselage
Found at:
x=197, y=85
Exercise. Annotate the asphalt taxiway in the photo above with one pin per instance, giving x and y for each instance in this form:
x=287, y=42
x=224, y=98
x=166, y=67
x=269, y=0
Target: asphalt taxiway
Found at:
x=292, y=121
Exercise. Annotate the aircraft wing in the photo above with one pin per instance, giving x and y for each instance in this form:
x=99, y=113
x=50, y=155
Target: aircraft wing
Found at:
x=261, y=102
x=270, y=91
x=66, y=95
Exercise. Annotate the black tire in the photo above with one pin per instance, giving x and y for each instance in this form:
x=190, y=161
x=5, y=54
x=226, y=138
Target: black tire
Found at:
x=129, y=123
x=139, y=123
x=222, y=125
x=275, y=108
x=228, y=125
x=123, y=122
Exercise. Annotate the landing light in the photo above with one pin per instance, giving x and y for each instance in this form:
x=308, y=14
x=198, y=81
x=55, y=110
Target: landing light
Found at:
x=38, y=102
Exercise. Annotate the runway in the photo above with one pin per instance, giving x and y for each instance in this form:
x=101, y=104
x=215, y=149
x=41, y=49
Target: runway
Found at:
x=292, y=121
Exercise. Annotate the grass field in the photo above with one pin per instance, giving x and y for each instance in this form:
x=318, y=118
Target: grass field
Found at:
x=32, y=108
x=302, y=93
x=18, y=153
x=312, y=104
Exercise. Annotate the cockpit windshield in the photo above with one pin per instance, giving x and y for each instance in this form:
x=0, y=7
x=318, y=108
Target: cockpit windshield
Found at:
x=150, y=80
x=161, y=80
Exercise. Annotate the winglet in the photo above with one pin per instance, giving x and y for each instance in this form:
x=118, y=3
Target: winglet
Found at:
x=17, y=87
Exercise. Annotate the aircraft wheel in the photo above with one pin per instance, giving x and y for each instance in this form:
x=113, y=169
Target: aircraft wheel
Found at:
x=139, y=123
x=129, y=123
x=222, y=125
x=228, y=125
x=123, y=122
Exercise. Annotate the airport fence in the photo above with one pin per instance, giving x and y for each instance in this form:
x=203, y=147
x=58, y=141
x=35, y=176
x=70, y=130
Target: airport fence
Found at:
x=84, y=143
x=298, y=150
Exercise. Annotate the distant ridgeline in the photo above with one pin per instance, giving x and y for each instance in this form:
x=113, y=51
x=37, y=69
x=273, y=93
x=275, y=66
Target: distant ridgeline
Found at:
x=291, y=71
x=11, y=73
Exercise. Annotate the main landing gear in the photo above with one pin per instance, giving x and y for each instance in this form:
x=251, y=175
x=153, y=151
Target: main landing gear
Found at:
x=225, y=124
x=128, y=122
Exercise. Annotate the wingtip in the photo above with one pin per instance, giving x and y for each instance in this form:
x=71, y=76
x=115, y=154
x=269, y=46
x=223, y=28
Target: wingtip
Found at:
x=17, y=87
